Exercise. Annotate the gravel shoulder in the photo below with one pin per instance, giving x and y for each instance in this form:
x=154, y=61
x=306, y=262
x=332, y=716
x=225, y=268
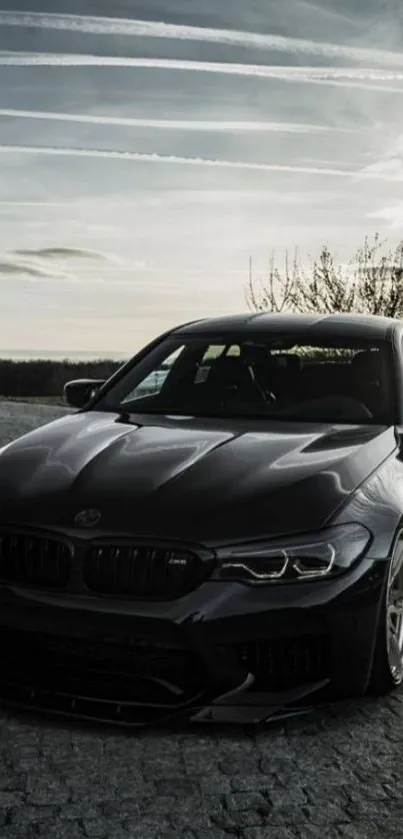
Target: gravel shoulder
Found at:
x=336, y=773
x=17, y=418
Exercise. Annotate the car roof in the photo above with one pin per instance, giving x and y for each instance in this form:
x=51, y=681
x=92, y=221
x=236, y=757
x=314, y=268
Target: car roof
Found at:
x=341, y=324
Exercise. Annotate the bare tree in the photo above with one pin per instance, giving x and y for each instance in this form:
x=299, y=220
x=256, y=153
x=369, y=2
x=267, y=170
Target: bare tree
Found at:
x=372, y=283
x=378, y=279
x=326, y=290
x=274, y=293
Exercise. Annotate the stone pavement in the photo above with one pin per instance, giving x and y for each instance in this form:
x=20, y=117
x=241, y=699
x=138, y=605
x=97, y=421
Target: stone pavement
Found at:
x=335, y=773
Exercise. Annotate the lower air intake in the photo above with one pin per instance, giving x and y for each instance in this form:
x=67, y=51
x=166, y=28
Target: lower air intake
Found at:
x=282, y=663
x=125, y=684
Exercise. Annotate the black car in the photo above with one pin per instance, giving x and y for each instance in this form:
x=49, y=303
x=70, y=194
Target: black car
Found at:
x=221, y=541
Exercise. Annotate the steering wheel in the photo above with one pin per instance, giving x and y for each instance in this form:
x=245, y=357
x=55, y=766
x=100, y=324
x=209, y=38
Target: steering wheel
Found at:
x=313, y=409
x=356, y=403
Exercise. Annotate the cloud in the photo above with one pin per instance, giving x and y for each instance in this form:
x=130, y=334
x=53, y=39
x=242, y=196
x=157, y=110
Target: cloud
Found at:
x=392, y=216
x=175, y=160
x=340, y=77
x=158, y=29
x=34, y=262
x=175, y=198
x=64, y=253
x=10, y=265
x=51, y=204
x=374, y=172
x=390, y=165
x=180, y=124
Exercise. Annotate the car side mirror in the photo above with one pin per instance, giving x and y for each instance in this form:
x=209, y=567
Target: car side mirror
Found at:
x=80, y=391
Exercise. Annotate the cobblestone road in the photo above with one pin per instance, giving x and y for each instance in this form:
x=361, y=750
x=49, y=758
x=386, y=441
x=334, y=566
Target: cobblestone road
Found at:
x=336, y=773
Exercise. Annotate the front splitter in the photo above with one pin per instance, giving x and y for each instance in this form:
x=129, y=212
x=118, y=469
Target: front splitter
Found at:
x=240, y=707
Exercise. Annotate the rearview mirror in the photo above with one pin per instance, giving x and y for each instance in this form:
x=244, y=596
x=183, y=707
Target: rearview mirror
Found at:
x=79, y=392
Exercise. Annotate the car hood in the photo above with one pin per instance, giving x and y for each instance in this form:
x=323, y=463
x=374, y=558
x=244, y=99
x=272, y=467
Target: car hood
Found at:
x=196, y=480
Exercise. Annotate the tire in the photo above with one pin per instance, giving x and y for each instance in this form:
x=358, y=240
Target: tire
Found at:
x=387, y=665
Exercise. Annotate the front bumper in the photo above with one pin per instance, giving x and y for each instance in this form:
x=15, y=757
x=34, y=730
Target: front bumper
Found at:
x=225, y=652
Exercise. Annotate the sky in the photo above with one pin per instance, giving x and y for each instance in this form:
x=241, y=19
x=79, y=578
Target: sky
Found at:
x=150, y=148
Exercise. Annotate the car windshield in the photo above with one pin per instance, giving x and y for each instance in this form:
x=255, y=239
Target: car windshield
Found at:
x=288, y=378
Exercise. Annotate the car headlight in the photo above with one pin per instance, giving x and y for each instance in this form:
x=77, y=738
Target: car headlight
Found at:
x=308, y=557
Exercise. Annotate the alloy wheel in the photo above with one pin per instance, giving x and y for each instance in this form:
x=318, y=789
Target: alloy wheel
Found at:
x=394, y=615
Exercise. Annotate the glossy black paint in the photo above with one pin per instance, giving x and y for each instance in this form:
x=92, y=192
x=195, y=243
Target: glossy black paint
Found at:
x=207, y=481
x=80, y=391
x=345, y=325
x=204, y=484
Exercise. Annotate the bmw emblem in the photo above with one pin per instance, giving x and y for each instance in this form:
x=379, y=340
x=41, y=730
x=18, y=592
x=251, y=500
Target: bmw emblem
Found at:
x=87, y=518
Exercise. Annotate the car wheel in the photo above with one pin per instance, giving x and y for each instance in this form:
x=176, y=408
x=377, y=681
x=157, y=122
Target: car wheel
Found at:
x=387, y=668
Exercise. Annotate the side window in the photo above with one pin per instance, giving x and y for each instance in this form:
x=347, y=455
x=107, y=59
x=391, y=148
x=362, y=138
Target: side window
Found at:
x=152, y=384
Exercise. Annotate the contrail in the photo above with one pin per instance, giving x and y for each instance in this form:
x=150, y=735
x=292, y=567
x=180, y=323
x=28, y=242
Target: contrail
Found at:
x=71, y=204
x=187, y=161
x=158, y=29
x=179, y=124
x=346, y=77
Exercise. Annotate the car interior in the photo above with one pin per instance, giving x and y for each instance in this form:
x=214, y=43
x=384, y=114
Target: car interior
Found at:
x=360, y=383
x=254, y=378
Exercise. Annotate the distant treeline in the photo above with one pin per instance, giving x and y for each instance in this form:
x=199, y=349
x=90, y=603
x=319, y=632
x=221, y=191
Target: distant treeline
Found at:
x=47, y=378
